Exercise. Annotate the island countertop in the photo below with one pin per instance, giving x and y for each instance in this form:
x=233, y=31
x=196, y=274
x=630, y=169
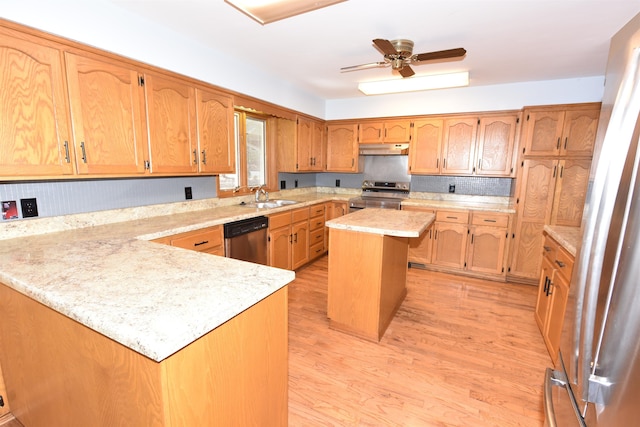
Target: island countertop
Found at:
x=389, y=222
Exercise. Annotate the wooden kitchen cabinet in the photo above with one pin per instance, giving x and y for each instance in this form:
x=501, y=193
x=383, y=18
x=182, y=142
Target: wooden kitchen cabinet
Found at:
x=481, y=145
x=316, y=231
x=388, y=131
x=209, y=240
x=289, y=239
x=560, y=130
x=450, y=239
x=420, y=248
x=216, y=143
x=342, y=148
x=34, y=117
x=487, y=243
x=300, y=145
x=171, y=114
x=458, y=148
x=333, y=209
x=570, y=192
x=107, y=112
x=426, y=146
x=4, y=407
x=496, y=145
x=553, y=291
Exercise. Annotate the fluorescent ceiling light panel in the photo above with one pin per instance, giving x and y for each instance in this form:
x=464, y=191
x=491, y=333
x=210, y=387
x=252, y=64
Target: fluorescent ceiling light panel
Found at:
x=266, y=11
x=413, y=84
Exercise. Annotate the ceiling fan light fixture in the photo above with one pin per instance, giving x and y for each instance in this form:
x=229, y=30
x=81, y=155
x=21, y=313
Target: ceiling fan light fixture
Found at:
x=414, y=84
x=267, y=11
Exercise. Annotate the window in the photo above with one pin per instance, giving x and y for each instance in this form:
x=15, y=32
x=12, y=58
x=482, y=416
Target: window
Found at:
x=251, y=155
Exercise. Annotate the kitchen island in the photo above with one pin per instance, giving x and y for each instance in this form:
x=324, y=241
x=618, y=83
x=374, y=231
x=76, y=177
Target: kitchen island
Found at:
x=368, y=268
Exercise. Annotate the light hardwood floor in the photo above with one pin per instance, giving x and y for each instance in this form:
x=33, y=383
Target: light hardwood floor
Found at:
x=460, y=352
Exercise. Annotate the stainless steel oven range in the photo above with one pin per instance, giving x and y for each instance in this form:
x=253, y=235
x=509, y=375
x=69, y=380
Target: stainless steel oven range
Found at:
x=380, y=194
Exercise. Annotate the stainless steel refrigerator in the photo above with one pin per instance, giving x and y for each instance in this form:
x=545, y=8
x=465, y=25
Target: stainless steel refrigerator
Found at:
x=596, y=382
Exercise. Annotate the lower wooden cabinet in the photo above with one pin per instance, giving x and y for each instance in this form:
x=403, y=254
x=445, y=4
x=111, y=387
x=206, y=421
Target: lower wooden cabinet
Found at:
x=316, y=231
x=289, y=239
x=553, y=291
x=333, y=209
x=4, y=402
x=209, y=240
x=468, y=242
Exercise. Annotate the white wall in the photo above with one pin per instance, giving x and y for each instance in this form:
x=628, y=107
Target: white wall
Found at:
x=104, y=25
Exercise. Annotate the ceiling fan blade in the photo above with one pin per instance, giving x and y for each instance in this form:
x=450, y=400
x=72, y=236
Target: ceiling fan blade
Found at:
x=406, y=71
x=363, y=66
x=441, y=54
x=385, y=46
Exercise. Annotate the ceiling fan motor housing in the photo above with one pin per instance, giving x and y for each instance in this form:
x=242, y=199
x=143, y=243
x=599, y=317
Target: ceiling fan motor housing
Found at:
x=403, y=46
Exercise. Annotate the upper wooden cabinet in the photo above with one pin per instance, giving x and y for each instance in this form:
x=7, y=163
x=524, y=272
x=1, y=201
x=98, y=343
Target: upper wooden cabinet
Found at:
x=478, y=145
x=216, y=146
x=342, y=148
x=34, y=124
x=389, y=131
x=300, y=145
x=171, y=115
x=560, y=131
x=107, y=111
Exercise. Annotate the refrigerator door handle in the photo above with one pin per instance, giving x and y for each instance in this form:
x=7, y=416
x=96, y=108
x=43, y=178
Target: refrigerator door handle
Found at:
x=558, y=379
x=549, y=416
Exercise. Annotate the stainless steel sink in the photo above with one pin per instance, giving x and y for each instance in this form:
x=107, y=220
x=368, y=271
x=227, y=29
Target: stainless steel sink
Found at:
x=270, y=204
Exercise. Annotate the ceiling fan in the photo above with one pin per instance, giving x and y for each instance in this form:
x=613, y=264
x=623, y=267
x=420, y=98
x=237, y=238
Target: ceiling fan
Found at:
x=399, y=54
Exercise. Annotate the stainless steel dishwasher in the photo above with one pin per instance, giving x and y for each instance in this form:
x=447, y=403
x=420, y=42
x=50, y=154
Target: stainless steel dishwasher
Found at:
x=247, y=239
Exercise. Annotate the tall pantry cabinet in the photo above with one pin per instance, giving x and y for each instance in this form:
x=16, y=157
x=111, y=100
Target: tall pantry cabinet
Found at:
x=552, y=178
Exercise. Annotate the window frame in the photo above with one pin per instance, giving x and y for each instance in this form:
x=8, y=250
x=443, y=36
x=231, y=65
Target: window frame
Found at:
x=241, y=154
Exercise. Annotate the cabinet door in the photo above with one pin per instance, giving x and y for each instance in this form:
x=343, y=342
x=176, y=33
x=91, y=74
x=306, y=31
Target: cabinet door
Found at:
x=318, y=155
x=286, y=148
x=107, y=105
x=215, y=132
x=426, y=146
x=397, y=131
x=420, y=248
x=495, y=145
x=449, y=245
x=579, y=132
x=559, y=290
x=303, y=144
x=486, y=249
x=458, y=148
x=370, y=132
x=570, y=192
x=300, y=244
x=280, y=247
x=542, y=132
x=542, y=303
x=34, y=127
x=342, y=148
x=171, y=113
x=534, y=210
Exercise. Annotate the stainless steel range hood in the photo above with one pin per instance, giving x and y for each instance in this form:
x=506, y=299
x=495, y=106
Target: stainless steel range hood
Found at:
x=384, y=149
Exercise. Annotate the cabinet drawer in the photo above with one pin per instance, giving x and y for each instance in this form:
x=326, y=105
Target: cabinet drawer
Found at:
x=564, y=263
x=316, y=236
x=316, y=210
x=491, y=219
x=279, y=220
x=316, y=222
x=299, y=215
x=316, y=250
x=549, y=248
x=459, y=217
x=200, y=240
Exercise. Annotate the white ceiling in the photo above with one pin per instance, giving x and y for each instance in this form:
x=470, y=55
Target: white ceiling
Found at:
x=507, y=41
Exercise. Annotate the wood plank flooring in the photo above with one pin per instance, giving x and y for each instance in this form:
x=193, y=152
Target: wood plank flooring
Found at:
x=460, y=352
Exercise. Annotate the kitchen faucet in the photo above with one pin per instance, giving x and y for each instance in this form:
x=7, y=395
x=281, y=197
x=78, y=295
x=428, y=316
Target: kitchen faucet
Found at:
x=260, y=190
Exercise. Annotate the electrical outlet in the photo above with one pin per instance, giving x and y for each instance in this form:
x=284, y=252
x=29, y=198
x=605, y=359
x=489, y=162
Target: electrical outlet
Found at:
x=337, y=183
x=29, y=208
x=283, y=185
x=187, y=193
x=452, y=188
x=295, y=183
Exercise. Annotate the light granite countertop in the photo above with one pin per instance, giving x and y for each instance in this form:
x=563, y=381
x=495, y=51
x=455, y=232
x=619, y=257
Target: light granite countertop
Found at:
x=384, y=221
x=568, y=237
x=101, y=270
x=489, y=204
